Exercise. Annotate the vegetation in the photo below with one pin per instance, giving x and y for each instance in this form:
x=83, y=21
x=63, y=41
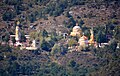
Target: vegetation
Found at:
x=6, y=37
x=20, y=62
x=44, y=20
x=72, y=42
x=9, y=15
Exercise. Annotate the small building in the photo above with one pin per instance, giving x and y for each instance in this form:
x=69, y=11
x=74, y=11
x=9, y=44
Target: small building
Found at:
x=23, y=45
x=83, y=42
x=33, y=46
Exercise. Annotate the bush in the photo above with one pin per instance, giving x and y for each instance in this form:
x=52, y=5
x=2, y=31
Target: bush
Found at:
x=113, y=45
x=44, y=33
x=23, y=38
x=7, y=16
x=72, y=63
x=71, y=22
x=13, y=40
x=11, y=2
x=6, y=38
x=72, y=42
x=45, y=45
x=5, y=48
x=55, y=49
x=32, y=18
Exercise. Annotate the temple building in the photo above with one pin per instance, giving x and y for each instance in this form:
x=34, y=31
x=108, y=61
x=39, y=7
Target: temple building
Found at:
x=33, y=46
x=83, y=41
x=23, y=45
x=17, y=36
x=77, y=31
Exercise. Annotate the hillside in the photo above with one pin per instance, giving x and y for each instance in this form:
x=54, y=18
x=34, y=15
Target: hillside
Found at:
x=65, y=12
x=50, y=23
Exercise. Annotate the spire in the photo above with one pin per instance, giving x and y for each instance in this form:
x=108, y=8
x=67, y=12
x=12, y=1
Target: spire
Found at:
x=17, y=32
x=18, y=22
x=91, y=41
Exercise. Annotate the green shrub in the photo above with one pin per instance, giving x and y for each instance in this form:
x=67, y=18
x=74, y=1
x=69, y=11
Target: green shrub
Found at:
x=72, y=42
x=72, y=63
x=9, y=15
x=113, y=45
x=55, y=49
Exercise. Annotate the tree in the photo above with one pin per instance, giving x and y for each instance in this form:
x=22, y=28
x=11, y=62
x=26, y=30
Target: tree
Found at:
x=113, y=44
x=87, y=33
x=5, y=48
x=9, y=15
x=100, y=37
x=13, y=40
x=72, y=22
x=80, y=23
x=13, y=2
x=44, y=33
x=53, y=36
x=33, y=35
x=55, y=49
x=32, y=18
x=45, y=45
x=117, y=33
x=6, y=38
x=72, y=42
x=72, y=63
x=23, y=38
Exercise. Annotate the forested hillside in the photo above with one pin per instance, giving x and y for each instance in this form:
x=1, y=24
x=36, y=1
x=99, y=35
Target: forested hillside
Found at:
x=50, y=22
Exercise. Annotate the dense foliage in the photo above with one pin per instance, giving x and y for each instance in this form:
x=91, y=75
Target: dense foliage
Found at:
x=18, y=62
x=54, y=58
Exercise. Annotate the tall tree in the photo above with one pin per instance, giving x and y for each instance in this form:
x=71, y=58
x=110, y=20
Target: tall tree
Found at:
x=44, y=33
x=99, y=37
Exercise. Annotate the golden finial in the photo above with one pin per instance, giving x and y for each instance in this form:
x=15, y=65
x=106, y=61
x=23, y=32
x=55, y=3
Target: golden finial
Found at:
x=18, y=22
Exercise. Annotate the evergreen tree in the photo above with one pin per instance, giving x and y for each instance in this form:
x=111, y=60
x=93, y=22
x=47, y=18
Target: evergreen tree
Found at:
x=44, y=33
x=99, y=37
x=113, y=44
x=23, y=38
x=6, y=38
x=13, y=40
x=9, y=15
x=45, y=45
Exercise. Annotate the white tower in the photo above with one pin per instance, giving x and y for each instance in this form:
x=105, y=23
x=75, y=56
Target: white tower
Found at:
x=17, y=34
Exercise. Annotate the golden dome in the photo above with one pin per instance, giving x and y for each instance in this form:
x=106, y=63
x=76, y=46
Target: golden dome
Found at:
x=76, y=31
x=76, y=27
